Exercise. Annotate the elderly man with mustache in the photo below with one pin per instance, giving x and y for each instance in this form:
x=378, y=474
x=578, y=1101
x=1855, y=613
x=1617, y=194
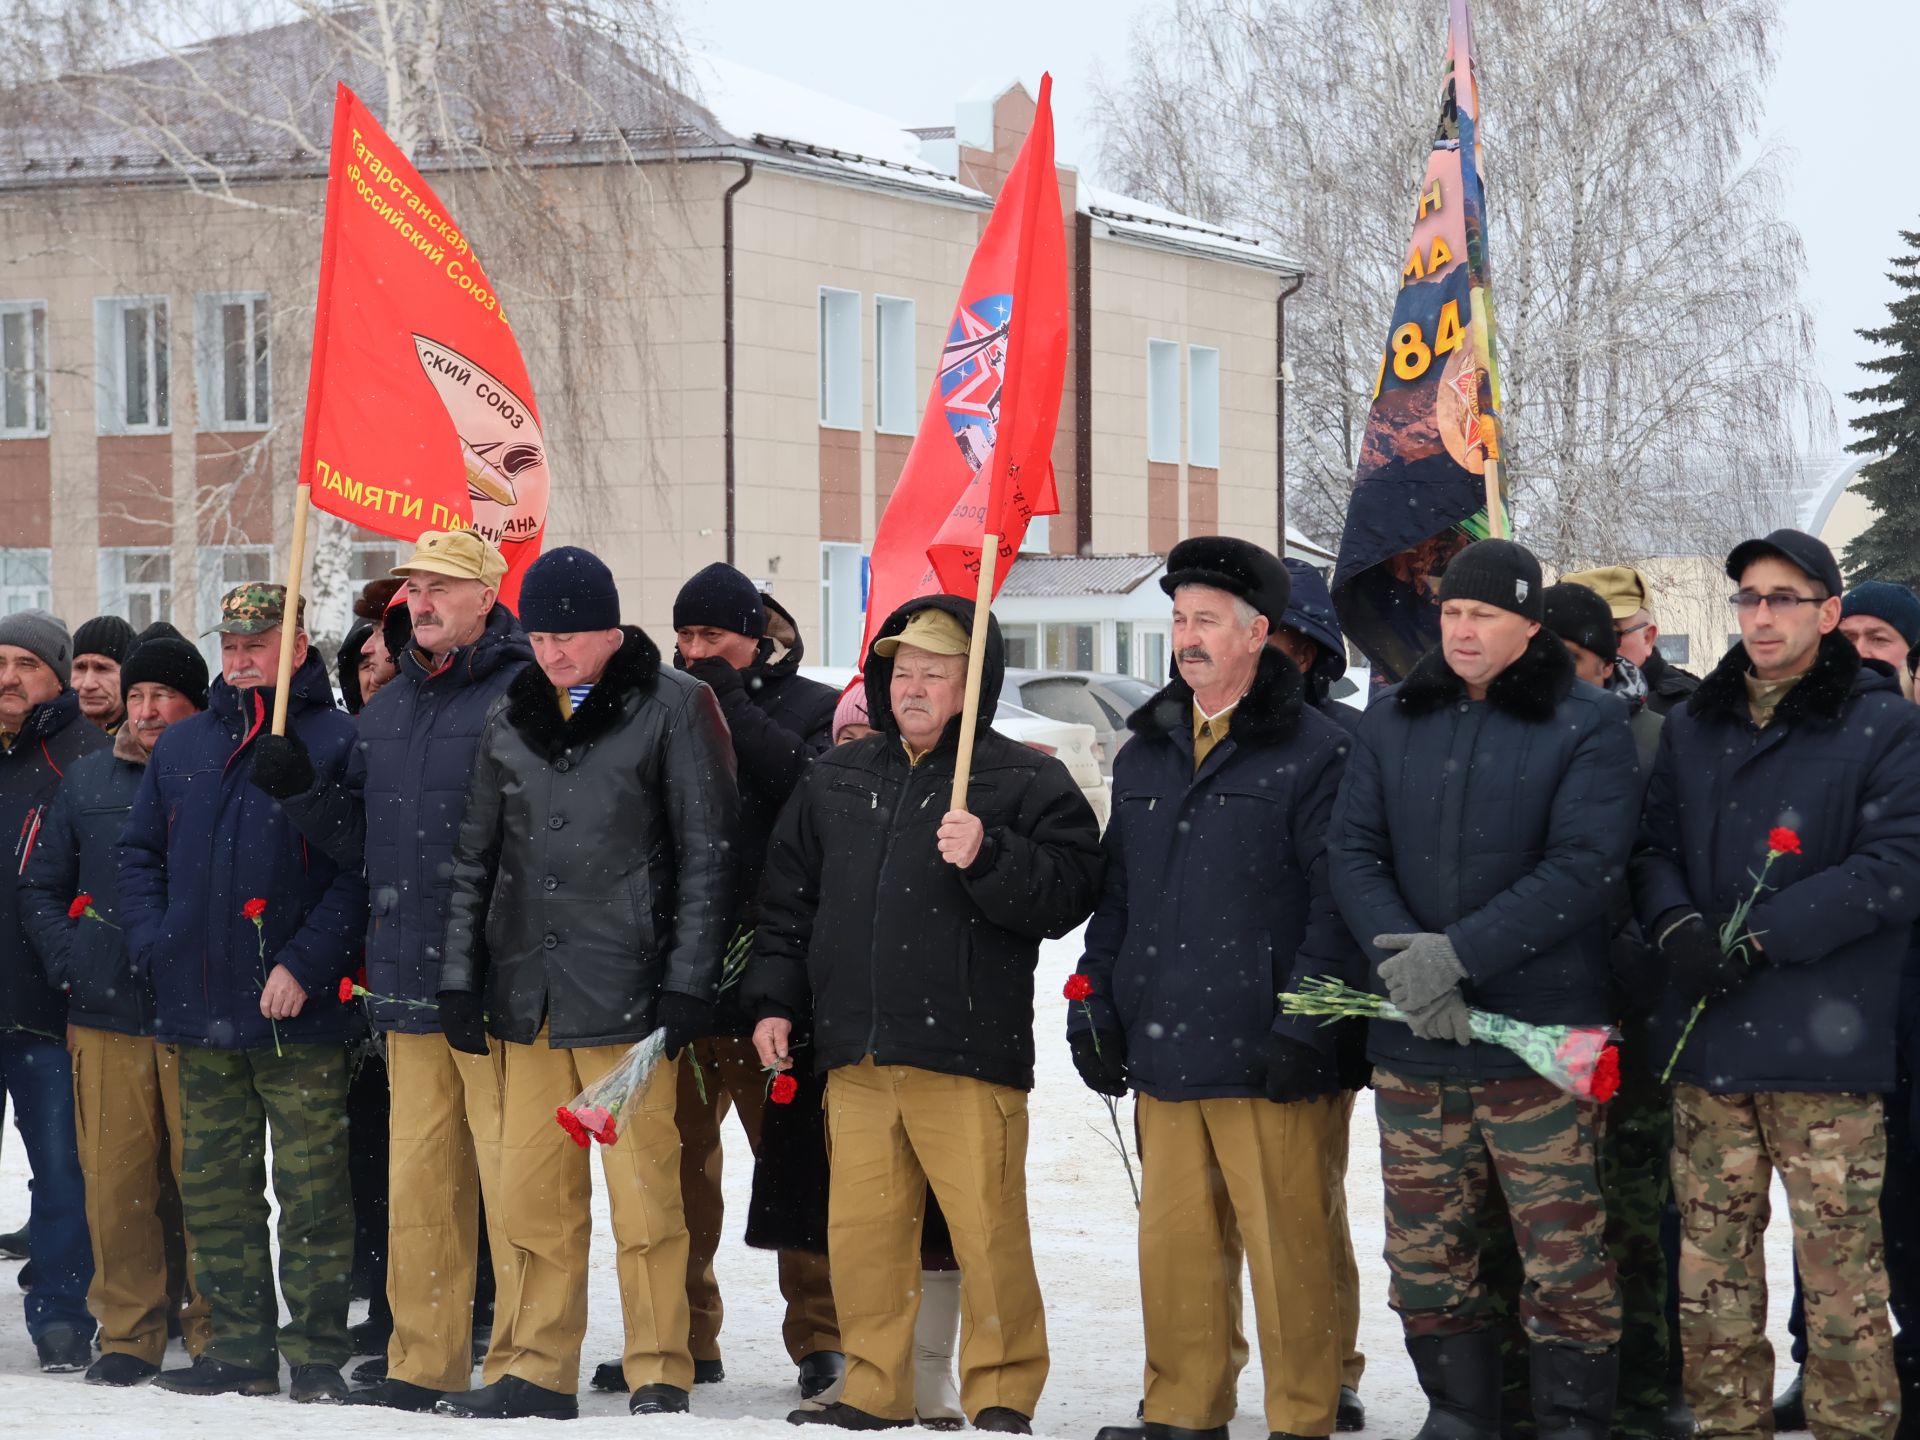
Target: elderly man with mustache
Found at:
x=897, y=938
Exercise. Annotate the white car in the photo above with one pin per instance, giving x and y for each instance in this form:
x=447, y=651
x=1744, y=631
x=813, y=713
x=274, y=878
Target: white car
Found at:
x=1073, y=745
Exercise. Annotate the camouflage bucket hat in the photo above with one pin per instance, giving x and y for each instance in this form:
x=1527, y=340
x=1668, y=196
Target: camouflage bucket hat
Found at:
x=255, y=607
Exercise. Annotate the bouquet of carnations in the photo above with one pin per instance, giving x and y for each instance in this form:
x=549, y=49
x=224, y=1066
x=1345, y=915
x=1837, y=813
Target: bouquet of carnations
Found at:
x=1581, y=1059
x=595, y=1113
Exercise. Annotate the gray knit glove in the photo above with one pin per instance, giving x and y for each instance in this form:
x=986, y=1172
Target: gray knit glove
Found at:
x=1445, y=1019
x=1424, y=970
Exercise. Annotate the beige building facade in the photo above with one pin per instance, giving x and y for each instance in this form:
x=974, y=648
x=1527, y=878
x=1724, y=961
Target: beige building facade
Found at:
x=787, y=332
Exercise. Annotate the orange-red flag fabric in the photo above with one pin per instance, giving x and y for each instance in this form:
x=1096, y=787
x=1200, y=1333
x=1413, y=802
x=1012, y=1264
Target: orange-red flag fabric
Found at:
x=420, y=414
x=981, y=460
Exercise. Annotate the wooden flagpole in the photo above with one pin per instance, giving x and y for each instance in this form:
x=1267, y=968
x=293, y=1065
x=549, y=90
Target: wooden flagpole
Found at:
x=1038, y=185
x=290, y=612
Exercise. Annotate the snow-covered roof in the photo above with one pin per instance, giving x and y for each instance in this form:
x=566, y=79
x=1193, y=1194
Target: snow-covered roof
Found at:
x=816, y=131
x=1127, y=218
x=1301, y=548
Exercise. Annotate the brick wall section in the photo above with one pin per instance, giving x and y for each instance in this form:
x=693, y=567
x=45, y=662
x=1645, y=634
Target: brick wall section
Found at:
x=135, y=489
x=840, y=485
x=26, y=491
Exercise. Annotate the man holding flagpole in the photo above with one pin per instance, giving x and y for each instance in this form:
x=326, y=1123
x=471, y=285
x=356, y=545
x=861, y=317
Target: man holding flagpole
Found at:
x=909, y=931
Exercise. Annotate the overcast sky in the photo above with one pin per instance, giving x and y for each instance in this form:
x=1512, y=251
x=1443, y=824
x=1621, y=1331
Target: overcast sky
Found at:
x=1844, y=96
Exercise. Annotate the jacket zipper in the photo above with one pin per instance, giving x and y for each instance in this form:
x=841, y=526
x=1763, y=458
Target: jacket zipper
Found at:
x=873, y=945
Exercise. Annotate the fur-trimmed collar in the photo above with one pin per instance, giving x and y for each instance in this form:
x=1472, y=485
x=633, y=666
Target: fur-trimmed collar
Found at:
x=533, y=706
x=1267, y=714
x=1818, y=702
x=1530, y=689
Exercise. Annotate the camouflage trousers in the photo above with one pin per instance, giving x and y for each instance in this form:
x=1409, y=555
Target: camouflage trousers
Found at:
x=230, y=1100
x=1441, y=1146
x=1831, y=1152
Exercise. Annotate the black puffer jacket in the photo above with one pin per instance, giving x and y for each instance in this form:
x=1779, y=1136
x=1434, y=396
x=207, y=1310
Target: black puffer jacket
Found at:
x=74, y=856
x=1668, y=687
x=1216, y=892
x=779, y=721
x=1840, y=765
x=898, y=954
x=51, y=740
x=397, y=810
x=595, y=862
x=1505, y=824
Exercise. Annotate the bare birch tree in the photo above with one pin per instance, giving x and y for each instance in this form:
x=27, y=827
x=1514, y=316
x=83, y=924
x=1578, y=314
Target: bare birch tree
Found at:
x=498, y=102
x=1655, y=354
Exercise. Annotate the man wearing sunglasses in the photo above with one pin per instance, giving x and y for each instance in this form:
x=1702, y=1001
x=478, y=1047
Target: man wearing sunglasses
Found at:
x=1796, y=762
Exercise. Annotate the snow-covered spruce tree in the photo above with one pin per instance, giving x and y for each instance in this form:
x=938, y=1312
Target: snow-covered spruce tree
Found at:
x=1889, y=548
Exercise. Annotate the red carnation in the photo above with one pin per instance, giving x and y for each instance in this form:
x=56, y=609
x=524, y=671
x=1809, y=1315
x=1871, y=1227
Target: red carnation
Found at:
x=570, y=1123
x=785, y=1087
x=346, y=989
x=1783, y=841
x=254, y=909
x=79, y=906
x=1606, y=1073
x=1078, y=987
x=599, y=1122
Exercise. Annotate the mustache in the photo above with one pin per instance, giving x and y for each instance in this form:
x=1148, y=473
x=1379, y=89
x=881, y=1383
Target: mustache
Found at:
x=1193, y=655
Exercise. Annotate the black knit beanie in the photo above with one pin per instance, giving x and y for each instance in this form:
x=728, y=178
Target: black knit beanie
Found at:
x=724, y=598
x=106, y=635
x=1573, y=612
x=166, y=659
x=1496, y=572
x=569, y=590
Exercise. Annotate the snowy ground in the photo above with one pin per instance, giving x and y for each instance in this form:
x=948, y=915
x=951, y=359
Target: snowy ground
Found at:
x=1083, y=1227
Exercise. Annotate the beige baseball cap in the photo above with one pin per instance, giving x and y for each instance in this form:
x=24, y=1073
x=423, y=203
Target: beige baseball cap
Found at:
x=463, y=554
x=1622, y=587
x=934, y=631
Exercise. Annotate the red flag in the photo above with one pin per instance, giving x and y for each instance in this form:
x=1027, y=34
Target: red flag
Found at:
x=1000, y=378
x=420, y=415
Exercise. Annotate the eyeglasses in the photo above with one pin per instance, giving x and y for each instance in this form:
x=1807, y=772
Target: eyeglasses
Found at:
x=1778, y=600
x=1631, y=629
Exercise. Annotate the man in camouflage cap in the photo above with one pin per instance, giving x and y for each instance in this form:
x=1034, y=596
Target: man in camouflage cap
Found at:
x=245, y=932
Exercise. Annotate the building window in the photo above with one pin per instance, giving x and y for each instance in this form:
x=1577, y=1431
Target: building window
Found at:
x=1021, y=646
x=130, y=336
x=137, y=584
x=1152, y=659
x=23, y=368
x=843, y=603
x=1039, y=537
x=25, y=580
x=1068, y=647
x=375, y=559
x=1203, y=406
x=234, y=364
x=840, y=359
x=1674, y=649
x=1163, y=401
x=893, y=370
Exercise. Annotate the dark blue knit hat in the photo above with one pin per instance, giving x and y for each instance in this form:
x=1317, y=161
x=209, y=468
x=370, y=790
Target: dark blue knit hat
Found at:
x=1895, y=604
x=569, y=590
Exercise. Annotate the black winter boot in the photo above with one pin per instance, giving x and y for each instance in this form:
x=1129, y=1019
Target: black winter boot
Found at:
x=1461, y=1377
x=1573, y=1391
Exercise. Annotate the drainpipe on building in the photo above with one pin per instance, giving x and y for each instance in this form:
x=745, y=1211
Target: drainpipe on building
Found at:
x=1082, y=383
x=726, y=342
x=1279, y=421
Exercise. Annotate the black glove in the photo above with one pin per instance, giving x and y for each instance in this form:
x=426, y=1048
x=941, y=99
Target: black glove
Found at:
x=1297, y=1071
x=281, y=766
x=462, y=1019
x=1101, y=1058
x=715, y=673
x=1697, y=967
x=684, y=1019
